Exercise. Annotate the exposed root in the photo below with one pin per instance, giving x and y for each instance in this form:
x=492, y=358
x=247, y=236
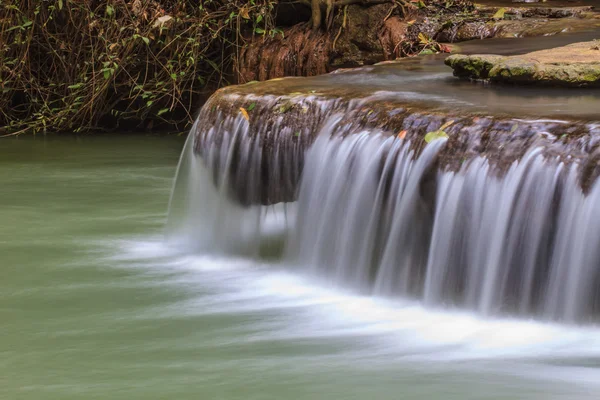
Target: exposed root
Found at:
x=341, y=27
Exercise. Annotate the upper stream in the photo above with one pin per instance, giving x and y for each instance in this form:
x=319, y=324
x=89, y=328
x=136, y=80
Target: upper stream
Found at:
x=427, y=82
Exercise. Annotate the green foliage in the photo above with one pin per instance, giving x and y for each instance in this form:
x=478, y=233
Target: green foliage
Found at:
x=79, y=65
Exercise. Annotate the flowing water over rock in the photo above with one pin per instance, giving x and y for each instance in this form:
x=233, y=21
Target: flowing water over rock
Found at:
x=379, y=214
x=498, y=217
x=371, y=216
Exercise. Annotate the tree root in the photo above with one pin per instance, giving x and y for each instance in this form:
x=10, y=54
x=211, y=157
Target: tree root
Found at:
x=344, y=23
x=330, y=6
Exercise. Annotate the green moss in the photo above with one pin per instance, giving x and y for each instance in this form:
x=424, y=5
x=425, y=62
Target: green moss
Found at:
x=514, y=70
x=474, y=67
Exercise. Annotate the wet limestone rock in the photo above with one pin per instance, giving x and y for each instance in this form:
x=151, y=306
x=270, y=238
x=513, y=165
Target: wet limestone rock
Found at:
x=576, y=65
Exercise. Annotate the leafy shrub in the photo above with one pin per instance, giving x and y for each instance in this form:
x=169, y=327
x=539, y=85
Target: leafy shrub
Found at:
x=80, y=65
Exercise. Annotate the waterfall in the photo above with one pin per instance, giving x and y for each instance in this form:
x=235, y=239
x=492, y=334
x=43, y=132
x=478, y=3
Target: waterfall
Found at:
x=203, y=212
x=379, y=214
x=527, y=242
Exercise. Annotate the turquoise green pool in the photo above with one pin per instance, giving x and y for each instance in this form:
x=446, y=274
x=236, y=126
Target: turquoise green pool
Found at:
x=95, y=305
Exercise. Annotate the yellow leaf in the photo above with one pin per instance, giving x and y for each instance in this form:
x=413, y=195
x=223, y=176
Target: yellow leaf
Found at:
x=499, y=14
x=244, y=13
x=412, y=21
x=245, y=113
x=402, y=134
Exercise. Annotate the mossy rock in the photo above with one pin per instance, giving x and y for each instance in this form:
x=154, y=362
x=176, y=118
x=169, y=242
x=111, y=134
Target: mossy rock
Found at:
x=513, y=70
x=576, y=65
x=474, y=67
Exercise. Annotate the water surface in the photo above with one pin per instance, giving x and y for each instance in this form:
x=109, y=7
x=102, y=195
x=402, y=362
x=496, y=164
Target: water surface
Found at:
x=95, y=305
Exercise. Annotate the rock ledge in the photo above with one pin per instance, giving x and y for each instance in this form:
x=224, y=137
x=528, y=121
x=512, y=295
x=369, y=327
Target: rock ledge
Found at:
x=575, y=65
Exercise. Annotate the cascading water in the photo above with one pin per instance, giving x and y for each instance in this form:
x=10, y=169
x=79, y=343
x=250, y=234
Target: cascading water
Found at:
x=203, y=216
x=379, y=214
x=524, y=243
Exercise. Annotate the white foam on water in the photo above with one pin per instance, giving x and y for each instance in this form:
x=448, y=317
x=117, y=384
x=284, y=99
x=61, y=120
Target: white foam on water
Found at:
x=243, y=285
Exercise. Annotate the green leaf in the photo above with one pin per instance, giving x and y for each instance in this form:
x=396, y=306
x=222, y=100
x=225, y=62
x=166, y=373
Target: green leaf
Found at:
x=426, y=52
x=106, y=73
x=60, y=4
x=251, y=107
x=149, y=103
x=435, y=135
x=499, y=14
x=260, y=31
x=276, y=31
x=76, y=86
x=110, y=11
x=161, y=112
x=146, y=40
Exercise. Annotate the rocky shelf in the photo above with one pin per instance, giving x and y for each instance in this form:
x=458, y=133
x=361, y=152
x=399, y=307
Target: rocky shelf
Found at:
x=574, y=65
x=282, y=123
